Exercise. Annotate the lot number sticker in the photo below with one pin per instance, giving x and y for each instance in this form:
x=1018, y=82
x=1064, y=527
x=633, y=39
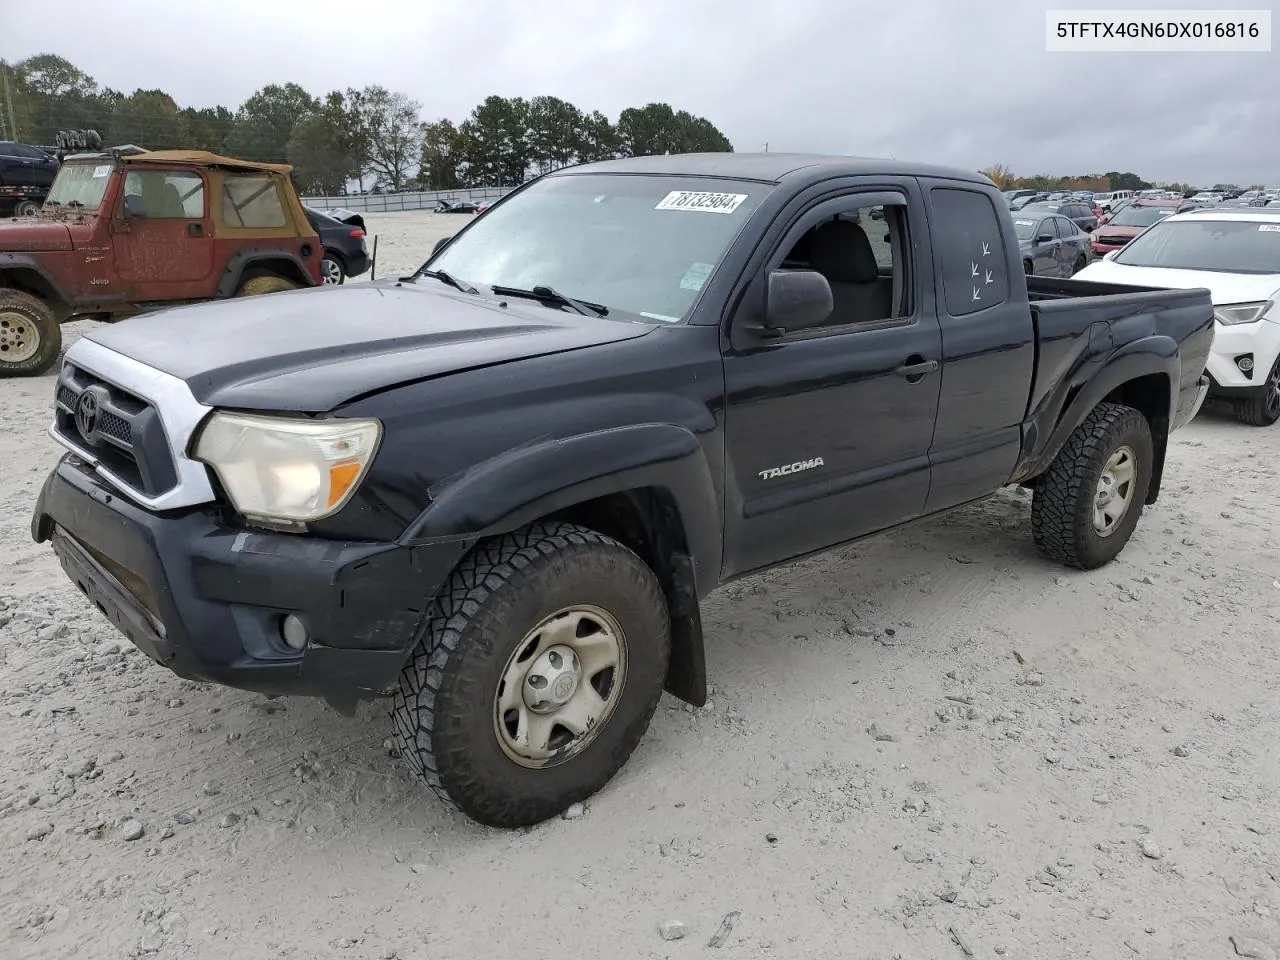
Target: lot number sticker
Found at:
x=102, y=171
x=1269, y=228
x=701, y=201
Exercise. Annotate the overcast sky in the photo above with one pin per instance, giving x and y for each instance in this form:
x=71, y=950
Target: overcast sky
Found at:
x=964, y=82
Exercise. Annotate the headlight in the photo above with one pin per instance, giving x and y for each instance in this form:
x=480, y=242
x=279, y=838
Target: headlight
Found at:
x=1233, y=313
x=280, y=469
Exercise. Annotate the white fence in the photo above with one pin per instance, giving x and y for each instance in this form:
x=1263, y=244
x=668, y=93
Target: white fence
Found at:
x=397, y=202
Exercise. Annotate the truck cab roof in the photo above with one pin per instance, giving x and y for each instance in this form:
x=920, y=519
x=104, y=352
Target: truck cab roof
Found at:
x=771, y=167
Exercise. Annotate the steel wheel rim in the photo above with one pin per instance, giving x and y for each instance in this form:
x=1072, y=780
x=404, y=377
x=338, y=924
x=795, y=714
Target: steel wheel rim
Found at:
x=19, y=339
x=331, y=271
x=560, y=686
x=1115, y=490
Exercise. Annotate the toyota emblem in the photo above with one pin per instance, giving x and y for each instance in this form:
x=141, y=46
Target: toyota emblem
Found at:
x=87, y=415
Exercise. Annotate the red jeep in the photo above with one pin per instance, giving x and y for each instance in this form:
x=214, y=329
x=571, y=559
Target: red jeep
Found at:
x=122, y=234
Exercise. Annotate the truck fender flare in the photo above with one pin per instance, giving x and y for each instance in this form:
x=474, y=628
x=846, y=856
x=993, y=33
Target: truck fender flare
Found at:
x=22, y=261
x=546, y=476
x=242, y=260
x=1140, y=358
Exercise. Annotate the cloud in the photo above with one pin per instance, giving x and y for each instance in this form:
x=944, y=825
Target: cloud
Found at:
x=966, y=83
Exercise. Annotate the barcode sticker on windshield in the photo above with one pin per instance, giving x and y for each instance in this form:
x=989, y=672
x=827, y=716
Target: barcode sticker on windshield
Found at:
x=102, y=171
x=702, y=202
x=1269, y=228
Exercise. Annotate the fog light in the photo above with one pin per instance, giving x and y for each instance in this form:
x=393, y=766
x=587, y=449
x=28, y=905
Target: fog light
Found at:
x=293, y=631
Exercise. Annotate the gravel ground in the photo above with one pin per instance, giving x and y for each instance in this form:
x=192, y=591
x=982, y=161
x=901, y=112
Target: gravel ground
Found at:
x=932, y=744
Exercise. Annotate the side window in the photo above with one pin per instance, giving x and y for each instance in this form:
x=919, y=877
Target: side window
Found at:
x=858, y=250
x=251, y=201
x=163, y=195
x=970, y=250
x=1060, y=227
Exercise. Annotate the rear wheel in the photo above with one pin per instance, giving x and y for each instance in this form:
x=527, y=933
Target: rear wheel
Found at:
x=542, y=663
x=30, y=337
x=332, y=270
x=1080, y=264
x=1262, y=409
x=264, y=283
x=1087, y=504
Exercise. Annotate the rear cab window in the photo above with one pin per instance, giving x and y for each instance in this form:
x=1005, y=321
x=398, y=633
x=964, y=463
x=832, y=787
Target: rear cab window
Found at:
x=969, y=248
x=252, y=202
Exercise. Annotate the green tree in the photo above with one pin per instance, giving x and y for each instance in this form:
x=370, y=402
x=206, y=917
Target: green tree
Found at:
x=597, y=139
x=326, y=148
x=554, y=133
x=656, y=129
x=496, y=142
x=51, y=94
x=206, y=128
x=148, y=118
x=264, y=122
x=439, y=167
x=390, y=132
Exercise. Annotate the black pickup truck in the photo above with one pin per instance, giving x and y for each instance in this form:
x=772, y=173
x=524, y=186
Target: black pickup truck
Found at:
x=496, y=491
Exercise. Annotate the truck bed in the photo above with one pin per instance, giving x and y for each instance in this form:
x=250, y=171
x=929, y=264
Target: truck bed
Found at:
x=1078, y=321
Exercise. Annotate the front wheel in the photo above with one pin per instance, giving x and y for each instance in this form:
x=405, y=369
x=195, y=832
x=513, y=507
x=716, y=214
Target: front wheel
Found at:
x=1262, y=408
x=27, y=208
x=1087, y=504
x=30, y=337
x=541, y=666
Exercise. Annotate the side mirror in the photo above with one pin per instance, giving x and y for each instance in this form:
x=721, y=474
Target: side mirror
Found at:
x=1045, y=238
x=133, y=206
x=440, y=245
x=797, y=299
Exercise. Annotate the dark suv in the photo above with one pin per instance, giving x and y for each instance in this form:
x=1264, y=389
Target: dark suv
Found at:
x=1078, y=211
x=26, y=173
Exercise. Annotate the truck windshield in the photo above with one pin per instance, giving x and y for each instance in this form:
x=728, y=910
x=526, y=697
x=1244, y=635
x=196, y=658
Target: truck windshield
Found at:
x=642, y=245
x=1243, y=246
x=80, y=185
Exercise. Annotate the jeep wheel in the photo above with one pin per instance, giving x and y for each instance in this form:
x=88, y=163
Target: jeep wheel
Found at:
x=27, y=208
x=332, y=271
x=1262, y=408
x=30, y=337
x=543, y=660
x=264, y=283
x=1086, y=506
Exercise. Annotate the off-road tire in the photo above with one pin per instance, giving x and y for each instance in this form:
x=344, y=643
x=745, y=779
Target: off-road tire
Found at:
x=1262, y=407
x=23, y=317
x=264, y=283
x=443, y=712
x=1062, y=507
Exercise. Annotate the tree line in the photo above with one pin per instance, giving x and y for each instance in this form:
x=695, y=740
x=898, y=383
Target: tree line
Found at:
x=1005, y=179
x=354, y=134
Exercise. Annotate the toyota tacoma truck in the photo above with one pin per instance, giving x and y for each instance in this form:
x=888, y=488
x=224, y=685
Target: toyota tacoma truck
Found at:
x=496, y=491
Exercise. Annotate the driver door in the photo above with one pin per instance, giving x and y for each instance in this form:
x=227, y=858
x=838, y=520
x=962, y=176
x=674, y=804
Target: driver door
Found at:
x=163, y=235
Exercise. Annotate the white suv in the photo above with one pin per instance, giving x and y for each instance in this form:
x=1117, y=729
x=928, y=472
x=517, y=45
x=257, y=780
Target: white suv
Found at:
x=1235, y=253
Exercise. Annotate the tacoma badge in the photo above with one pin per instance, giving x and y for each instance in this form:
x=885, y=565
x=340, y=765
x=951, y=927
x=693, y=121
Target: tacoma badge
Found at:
x=791, y=468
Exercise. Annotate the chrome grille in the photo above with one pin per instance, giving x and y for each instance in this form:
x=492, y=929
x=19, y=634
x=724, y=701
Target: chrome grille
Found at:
x=117, y=428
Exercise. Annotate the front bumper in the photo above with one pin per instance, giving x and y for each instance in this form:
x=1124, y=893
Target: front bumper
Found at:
x=206, y=599
x=1260, y=339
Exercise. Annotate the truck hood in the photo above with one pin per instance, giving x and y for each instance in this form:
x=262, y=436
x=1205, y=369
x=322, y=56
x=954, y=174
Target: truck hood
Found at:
x=1225, y=287
x=312, y=350
x=21, y=234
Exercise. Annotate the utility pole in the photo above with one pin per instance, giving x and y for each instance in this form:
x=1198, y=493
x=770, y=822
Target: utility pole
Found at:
x=766, y=146
x=8, y=97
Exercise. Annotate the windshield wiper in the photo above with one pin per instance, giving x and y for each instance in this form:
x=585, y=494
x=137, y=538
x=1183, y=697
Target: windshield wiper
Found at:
x=551, y=295
x=450, y=279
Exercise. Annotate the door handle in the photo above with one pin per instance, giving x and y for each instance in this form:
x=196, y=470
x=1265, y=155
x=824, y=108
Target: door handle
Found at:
x=195, y=229
x=915, y=368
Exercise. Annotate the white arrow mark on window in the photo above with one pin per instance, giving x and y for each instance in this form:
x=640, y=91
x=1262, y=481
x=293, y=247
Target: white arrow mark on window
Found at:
x=973, y=269
x=986, y=251
x=976, y=295
x=989, y=280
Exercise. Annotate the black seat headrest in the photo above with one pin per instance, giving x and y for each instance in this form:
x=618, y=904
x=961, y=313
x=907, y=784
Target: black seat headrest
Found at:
x=842, y=253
